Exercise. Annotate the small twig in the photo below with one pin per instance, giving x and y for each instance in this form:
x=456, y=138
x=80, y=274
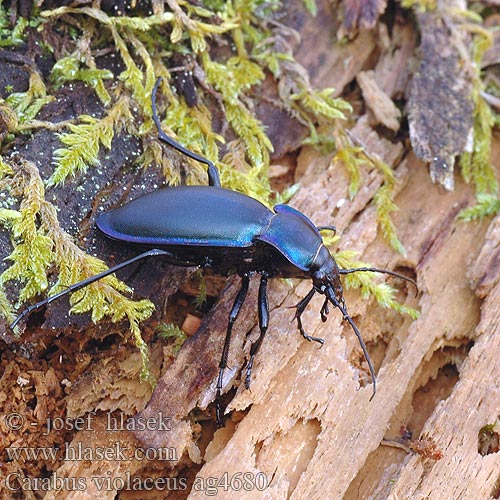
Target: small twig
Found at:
x=393, y=443
x=36, y=124
x=491, y=99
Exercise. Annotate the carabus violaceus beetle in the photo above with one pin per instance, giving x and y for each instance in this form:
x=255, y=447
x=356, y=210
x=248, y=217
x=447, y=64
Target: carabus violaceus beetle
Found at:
x=209, y=226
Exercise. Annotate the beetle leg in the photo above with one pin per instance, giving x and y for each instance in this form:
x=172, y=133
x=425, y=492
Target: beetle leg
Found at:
x=324, y=310
x=88, y=281
x=213, y=173
x=235, y=310
x=263, y=307
x=301, y=306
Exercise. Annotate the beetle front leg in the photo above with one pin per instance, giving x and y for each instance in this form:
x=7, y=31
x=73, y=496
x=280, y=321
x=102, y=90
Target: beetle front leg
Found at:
x=235, y=310
x=301, y=306
x=263, y=307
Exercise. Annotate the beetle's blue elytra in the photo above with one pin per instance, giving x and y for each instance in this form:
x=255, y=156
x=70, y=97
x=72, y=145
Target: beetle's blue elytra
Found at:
x=188, y=216
x=209, y=226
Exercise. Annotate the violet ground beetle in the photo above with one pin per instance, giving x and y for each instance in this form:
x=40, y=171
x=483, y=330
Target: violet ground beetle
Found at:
x=208, y=226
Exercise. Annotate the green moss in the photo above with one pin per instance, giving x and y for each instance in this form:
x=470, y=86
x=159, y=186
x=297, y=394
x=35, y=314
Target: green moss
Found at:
x=27, y=104
x=487, y=204
x=321, y=104
x=311, y=6
x=85, y=139
x=421, y=5
x=353, y=157
x=475, y=164
x=171, y=331
x=11, y=36
x=32, y=254
x=137, y=39
x=69, y=69
x=39, y=243
x=384, y=203
x=201, y=296
x=383, y=293
x=231, y=80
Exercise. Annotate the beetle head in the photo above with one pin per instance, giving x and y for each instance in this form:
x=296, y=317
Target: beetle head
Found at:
x=326, y=275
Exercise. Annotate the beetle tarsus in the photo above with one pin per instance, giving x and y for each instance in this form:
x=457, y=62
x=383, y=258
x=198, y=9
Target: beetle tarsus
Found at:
x=248, y=374
x=319, y=340
x=300, y=308
x=218, y=413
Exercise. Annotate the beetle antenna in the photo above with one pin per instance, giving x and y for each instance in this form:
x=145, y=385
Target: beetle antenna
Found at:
x=343, y=309
x=383, y=271
x=213, y=173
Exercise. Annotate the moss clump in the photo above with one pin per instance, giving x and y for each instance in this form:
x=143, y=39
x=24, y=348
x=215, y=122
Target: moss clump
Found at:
x=84, y=140
x=39, y=243
x=475, y=164
x=383, y=293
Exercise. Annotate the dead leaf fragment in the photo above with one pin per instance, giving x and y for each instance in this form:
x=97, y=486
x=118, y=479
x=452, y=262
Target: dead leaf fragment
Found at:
x=492, y=55
x=362, y=14
x=427, y=448
x=382, y=106
x=440, y=107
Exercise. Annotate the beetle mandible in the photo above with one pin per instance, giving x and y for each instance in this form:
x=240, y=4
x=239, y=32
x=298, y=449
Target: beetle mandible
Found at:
x=225, y=230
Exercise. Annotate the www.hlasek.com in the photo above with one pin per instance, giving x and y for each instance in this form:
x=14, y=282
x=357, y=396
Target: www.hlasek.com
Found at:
x=114, y=451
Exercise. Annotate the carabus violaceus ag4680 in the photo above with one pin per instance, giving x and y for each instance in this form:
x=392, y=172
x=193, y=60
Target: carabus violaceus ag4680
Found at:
x=208, y=226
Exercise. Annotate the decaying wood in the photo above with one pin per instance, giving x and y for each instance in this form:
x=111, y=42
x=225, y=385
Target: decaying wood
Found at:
x=308, y=414
x=327, y=68
x=315, y=399
x=440, y=108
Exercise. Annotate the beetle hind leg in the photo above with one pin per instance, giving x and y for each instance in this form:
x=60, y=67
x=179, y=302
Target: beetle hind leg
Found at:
x=88, y=281
x=212, y=171
x=300, y=308
x=235, y=310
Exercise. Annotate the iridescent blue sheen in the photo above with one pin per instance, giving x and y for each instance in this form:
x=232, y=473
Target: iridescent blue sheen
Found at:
x=293, y=235
x=203, y=216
